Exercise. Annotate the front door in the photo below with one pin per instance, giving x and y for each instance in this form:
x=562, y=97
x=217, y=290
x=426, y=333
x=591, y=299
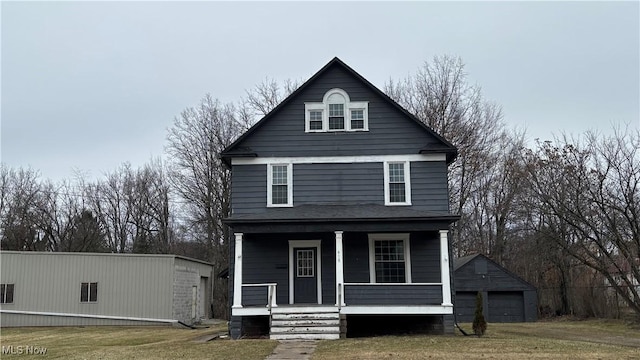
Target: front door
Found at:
x=305, y=277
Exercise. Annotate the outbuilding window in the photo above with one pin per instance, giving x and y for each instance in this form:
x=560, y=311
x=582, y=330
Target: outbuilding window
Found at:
x=336, y=112
x=89, y=292
x=6, y=293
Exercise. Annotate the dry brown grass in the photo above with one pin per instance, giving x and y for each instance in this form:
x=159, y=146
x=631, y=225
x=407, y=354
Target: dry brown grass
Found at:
x=595, y=339
x=132, y=343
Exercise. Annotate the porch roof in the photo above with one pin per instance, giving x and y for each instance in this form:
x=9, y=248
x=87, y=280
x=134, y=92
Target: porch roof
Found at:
x=362, y=217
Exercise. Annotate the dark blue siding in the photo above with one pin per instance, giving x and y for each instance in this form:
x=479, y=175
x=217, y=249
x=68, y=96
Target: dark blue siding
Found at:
x=340, y=184
x=318, y=184
x=429, y=189
x=393, y=294
x=390, y=131
x=254, y=296
x=495, y=278
x=265, y=259
x=425, y=257
x=356, y=257
x=485, y=276
x=328, y=248
x=248, y=189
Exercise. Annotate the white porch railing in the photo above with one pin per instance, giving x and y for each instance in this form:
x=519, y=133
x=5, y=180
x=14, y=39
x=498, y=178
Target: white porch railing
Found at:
x=271, y=293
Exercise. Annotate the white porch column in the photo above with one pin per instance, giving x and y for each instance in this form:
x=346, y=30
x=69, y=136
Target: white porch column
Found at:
x=339, y=270
x=237, y=273
x=444, y=263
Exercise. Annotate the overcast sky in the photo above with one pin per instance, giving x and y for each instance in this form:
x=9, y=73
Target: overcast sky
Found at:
x=90, y=85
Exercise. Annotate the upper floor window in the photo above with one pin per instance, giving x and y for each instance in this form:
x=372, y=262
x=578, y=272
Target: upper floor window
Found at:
x=336, y=116
x=397, y=184
x=6, y=293
x=280, y=185
x=336, y=112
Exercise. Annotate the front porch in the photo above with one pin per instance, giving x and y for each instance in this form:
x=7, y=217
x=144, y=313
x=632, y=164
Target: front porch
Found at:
x=340, y=272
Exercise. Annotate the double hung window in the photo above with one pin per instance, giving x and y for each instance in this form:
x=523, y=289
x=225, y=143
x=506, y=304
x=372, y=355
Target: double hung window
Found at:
x=397, y=185
x=280, y=185
x=389, y=258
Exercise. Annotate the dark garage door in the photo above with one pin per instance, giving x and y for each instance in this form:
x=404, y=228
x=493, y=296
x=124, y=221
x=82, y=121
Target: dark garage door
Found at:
x=465, y=305
x=506, y=306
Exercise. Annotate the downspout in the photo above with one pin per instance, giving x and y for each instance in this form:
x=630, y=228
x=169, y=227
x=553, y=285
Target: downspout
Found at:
x=453, y=292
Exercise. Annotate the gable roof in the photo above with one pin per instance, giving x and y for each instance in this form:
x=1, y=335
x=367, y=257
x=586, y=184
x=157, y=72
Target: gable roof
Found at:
x=234, y=151
x=460, y=262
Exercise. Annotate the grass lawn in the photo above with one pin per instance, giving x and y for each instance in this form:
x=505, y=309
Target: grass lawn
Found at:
x=131, y=343
x=594, y=339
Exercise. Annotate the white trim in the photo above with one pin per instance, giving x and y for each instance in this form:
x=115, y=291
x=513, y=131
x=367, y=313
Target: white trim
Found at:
x=88, y=316
x=444, y=264
x=324, y=106
x=393, y=310
x=305, y=243
x=407, y=183
x=237, y=273
x=337, y=159
x=289, y=184
x=407, y=255
x=339, y=269
x=250, y=311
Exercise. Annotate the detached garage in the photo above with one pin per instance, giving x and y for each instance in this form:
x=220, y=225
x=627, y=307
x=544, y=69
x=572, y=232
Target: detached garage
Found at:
x=507, y=298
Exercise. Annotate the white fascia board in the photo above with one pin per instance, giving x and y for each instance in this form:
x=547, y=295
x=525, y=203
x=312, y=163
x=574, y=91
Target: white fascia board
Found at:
x=338, y=159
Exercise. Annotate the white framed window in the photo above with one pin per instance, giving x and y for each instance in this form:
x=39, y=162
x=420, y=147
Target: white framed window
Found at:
x=315, y=120
x=357, y=119
x=397, y=183
x=88, y=292
x=280, y=185
x=389, y=258
x=336, y=112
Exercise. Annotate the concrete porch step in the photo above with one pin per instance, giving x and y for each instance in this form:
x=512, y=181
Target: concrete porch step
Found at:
x=305, y=322
x=305, y=330
x=304, y=336
x=305, y=316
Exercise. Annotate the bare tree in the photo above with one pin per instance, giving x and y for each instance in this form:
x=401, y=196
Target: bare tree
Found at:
x=589, y=197
x=440, y=96
x=202, y=181
x=20, y=191
x=265, y=96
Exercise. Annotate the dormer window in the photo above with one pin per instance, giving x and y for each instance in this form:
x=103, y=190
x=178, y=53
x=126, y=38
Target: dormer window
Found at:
x=336, y=112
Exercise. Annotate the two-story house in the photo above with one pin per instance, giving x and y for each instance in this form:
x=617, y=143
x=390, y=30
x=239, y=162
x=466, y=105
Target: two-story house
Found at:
x=340, y=211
